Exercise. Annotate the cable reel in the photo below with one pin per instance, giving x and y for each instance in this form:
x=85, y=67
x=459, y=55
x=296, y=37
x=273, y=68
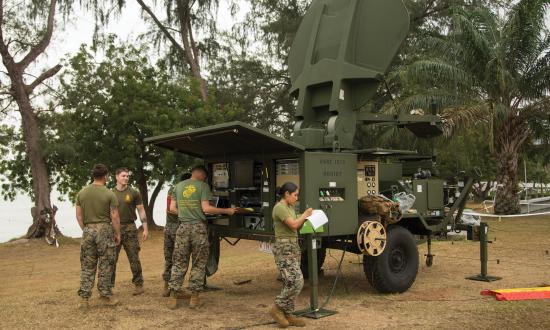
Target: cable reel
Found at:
x=371, y=238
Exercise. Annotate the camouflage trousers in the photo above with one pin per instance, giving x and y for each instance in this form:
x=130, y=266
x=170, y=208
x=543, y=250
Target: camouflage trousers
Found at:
x=169, y=242
x=191, y=241
x=97, y=250
x=129, y=240
x=287, y=258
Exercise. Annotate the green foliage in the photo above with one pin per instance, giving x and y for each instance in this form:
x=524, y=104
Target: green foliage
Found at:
x=246, y=81
x=14, y=163
x=466, y=150
x=111, y=106
x=487, y=64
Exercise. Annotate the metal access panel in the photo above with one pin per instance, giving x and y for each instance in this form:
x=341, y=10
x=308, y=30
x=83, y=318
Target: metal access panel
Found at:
x=435, y=194
x=429, y=195
x=420, y=191
x=367, y=178
x=329, y=182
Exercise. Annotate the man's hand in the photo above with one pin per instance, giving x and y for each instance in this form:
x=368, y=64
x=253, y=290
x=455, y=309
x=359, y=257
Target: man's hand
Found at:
x=145, y=234
x=117, y=239
x=230, y=211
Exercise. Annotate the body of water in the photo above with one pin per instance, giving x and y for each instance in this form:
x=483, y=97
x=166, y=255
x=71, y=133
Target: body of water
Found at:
x=15, y=217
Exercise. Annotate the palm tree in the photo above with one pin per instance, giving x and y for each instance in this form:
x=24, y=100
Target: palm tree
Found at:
x=488, y=65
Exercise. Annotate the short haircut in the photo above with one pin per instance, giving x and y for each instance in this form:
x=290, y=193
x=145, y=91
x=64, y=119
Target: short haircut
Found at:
x=200, y=168
x=121, y=169
x=185, y=176
x=99, y=171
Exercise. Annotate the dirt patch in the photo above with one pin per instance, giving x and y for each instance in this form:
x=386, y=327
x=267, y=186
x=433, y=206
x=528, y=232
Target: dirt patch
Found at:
x=40, y=284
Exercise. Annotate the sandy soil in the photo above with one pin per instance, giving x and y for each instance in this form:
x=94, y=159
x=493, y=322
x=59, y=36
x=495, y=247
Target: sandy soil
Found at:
x=40, y=283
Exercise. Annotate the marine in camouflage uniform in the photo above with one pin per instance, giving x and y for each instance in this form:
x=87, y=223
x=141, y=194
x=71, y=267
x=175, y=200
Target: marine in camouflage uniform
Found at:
x=97, y=247
x=191, y=239
x=287, y=258
x=191, y=235
x=188, y=197
x=129, y=199
x=97, y=250
x=170, y=229
x=286, y=252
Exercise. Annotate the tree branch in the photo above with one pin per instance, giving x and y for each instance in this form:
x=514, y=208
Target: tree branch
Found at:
x=44, y=42
x=6, y=56
x=45, y=75
x=161, y=26
x=193, y=44
x=428, y=12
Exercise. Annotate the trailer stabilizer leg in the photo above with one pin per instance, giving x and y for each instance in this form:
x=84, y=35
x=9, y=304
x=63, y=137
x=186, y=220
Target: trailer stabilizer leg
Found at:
x=429, y=255
x=483, y=256
x=314, y=311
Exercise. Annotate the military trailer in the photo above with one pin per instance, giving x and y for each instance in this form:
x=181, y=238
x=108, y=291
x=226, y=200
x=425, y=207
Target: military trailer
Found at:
x=340, y=55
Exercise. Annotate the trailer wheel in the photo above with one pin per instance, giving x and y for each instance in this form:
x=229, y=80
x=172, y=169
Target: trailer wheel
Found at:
x=394, y=271
x=321, y=253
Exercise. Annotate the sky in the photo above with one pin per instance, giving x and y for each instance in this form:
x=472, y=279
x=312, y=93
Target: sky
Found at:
x=127, y=27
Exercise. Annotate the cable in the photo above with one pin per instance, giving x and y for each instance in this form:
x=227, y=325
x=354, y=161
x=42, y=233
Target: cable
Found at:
x=338, y=272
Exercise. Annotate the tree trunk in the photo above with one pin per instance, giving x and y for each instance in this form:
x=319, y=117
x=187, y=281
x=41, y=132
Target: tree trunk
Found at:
x=42, y=212
x=39, y=171
x=191, y=52
x=148, y=204
x=481, y=192
x=511, y=137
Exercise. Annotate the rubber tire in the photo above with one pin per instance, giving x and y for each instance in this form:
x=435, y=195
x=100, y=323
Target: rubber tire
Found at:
x=321, y=254
x=400, y=276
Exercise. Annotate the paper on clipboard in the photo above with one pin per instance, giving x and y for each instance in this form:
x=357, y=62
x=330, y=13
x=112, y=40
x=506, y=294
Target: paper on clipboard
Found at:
x=317, y=218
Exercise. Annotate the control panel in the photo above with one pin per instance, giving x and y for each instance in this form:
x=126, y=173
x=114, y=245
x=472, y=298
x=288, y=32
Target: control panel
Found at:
x=367, y=178
x=220, y=175
x=332, y=194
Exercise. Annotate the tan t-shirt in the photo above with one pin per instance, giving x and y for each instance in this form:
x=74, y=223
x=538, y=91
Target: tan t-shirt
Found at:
x=96, y=202
x=280, y=213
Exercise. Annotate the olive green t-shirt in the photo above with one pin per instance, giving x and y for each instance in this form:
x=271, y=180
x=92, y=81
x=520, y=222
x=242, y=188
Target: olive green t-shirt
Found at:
x=96, y=202
x=128, y=199
x=188, y=195
x=170, y=217
x=280, y=213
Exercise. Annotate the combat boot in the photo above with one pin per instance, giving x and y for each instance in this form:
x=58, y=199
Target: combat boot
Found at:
x=109, y=301
x=173, y=300
x=194, y=301
x=295, y=321
x=84, y=304
x=183, y=294
x=279, y=316
x=138, y=290
x=166, y=291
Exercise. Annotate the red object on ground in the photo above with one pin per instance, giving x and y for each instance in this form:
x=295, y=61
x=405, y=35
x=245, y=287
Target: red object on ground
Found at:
x=519, y=294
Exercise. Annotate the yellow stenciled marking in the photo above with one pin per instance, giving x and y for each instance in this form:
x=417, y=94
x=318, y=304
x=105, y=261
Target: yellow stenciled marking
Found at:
x=127, y=198
x=188, y=191
x=189, y=204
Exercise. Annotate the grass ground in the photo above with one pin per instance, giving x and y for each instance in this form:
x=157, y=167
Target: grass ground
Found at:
x=40, y=283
